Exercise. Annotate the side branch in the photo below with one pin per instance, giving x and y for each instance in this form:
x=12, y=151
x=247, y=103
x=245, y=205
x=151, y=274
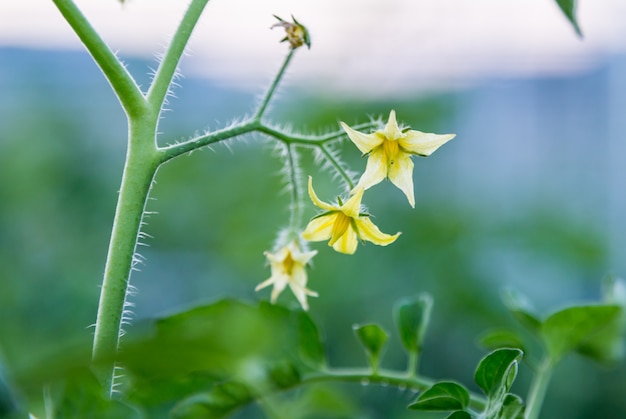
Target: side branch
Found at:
x=270, y=92
x=167, y=68
x=255, y=125
x=328, y=155
x=123, y=84
x=310, y=139
x=383, y=377
x=175, y=150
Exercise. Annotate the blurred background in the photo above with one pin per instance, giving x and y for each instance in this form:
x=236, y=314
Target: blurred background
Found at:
x=529, y=195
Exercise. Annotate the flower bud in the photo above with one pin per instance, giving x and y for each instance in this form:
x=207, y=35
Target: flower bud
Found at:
x=297, y=34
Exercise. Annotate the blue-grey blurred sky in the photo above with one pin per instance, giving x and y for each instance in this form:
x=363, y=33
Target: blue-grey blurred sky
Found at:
x=373, y=47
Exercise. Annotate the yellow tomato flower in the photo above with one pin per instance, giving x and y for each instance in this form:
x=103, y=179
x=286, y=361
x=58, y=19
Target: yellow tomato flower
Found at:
x=289, y=267
x=390, y=153
x=343, y=224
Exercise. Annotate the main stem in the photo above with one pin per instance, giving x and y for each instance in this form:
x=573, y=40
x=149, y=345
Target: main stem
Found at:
x=538, y=389
x=139, y=170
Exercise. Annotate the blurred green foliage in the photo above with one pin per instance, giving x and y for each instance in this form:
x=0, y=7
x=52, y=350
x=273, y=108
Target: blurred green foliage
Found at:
x=61, y=153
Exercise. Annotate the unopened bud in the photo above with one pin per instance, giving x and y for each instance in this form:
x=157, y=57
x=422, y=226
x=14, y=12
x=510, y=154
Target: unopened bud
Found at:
x=297, y=34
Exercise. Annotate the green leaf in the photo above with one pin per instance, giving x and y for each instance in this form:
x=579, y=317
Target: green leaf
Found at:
x=327, y=402
x=412, y=316
x=373, y=339
x=459, y=414
x=497, y=370
x=521, y=309
x=283, y=375
x=188, y=352
x=567, y=329
x=310, y=344
x=568, y=7
x=512, y=407
x=81, y=396
x=501, y=338
x=445, y=395
x=221, y=401
x=607, y=345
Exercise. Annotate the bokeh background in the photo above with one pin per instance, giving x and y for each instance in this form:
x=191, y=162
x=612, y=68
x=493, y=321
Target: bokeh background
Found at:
x=529, y=195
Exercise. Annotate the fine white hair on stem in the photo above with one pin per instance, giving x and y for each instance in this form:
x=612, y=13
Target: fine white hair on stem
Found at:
x=328, y=157
x=117, y=380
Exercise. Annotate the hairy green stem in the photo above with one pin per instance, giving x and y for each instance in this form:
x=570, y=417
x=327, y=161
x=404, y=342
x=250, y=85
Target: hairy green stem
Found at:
x=169, y=152
x=336, y=165
x=270, y=92
x=296, y=193
x=167, y=69
x=383, y=377
x=310, y=140
x=121, y=81
x=538, y=389
x=142, y=162
x=139, y=170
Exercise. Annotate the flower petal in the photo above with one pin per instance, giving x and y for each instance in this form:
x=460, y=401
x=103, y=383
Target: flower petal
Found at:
x=401, y=175
x=300, y=293
x=423, y=143
x=342, y=222
x=303, y=258
x=318, y=202
x=269, y=281
x=375, y=171
x=277, y=257
x=367, y=230
x=364, y=142
x=346, y=243
x=392, y=130
x=353, y=205
x=298, y=286
x=320, y=228
x=279, y=285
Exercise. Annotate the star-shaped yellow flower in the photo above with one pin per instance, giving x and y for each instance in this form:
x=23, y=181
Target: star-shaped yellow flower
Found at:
x=390, y=153
x=343, y=224
x=289, y=267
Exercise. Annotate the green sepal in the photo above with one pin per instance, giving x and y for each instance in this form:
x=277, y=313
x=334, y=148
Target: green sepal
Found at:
x=442, y=396
x=497, y=371
x=307, y=35
x=568, y=7
x=373, y=339
x=322, y=214
x=412, y=316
